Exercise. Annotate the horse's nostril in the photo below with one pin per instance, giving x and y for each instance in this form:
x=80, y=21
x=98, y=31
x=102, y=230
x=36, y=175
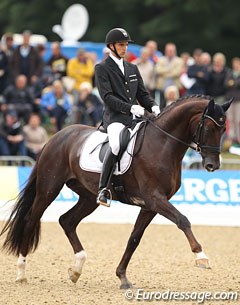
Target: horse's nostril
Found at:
x=209, y=167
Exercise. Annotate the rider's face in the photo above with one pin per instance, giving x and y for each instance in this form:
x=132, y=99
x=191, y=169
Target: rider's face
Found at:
x=121, y=48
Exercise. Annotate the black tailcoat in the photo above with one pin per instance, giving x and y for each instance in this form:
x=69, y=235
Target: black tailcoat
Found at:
x=119, y=92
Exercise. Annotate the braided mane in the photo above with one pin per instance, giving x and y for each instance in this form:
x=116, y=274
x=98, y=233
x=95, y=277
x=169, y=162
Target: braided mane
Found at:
x=185, y=99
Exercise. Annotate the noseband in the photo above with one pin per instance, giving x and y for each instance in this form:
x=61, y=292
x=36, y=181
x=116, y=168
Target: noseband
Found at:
x=198, y=137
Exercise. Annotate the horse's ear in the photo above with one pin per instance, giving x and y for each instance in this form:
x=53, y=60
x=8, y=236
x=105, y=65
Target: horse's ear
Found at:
x=211, y=105
x=227, y=104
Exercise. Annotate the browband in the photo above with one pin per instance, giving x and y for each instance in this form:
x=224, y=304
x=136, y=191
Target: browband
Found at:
x=214, y=121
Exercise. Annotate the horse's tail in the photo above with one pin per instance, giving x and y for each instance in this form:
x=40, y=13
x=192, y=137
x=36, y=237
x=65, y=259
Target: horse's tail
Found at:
x=16, y=223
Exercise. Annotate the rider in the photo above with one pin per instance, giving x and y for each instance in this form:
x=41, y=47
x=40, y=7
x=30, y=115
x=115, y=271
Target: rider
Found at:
x=125, y=97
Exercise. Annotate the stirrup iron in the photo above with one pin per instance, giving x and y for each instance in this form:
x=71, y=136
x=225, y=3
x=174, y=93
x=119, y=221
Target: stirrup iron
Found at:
x=107, y=194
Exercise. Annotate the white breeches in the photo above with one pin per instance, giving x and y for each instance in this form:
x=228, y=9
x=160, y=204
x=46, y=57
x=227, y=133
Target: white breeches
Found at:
x=114, y=131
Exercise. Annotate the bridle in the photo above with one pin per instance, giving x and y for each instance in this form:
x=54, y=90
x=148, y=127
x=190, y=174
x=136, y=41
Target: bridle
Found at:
x=198, y=136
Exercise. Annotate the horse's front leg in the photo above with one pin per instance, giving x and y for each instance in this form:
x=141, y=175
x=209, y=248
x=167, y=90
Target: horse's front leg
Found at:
x=143, y=220
x=161, y=205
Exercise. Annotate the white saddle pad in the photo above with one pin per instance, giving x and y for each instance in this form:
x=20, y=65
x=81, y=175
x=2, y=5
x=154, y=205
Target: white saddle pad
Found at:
x=89, y=158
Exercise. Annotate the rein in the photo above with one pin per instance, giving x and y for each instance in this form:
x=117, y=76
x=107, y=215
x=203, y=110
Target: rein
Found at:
x=169, y=135
x=199, y=134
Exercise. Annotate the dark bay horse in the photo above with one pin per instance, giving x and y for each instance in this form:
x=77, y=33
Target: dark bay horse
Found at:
x=153, y=178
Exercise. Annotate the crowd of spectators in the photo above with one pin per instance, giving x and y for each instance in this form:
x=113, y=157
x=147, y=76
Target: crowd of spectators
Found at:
x=172, y=76
x=39, y=97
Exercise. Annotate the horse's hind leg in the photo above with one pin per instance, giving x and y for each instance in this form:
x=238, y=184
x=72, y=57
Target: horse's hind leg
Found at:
x=31, y=231
x=69, y=221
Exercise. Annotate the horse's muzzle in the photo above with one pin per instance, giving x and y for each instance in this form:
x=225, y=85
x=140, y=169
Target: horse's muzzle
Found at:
x=211, y=164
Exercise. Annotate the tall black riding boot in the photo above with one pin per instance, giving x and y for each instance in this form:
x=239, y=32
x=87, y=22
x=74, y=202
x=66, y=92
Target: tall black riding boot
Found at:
x=107, y=171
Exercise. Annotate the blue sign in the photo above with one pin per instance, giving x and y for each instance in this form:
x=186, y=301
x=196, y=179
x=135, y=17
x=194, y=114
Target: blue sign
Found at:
x=199, y=186
x=66, y=194
x=70, y=51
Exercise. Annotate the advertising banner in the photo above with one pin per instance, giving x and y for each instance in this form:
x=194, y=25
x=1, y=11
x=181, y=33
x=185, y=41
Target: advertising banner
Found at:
x=217, y=188
x=205, y=198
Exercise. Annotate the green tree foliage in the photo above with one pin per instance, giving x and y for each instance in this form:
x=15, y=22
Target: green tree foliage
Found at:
x=210, y=25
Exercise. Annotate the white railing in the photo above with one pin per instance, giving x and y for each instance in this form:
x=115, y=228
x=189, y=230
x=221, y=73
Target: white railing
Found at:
x=228, y=164
x=16, y=161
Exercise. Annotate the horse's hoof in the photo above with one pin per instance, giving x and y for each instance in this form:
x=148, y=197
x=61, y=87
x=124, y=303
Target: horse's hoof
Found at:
x=126, y=286
x=73, y=275
x=21, y=280
x=202, y=263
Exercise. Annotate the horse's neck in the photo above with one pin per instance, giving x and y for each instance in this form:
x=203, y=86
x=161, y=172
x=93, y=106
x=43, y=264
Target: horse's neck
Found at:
x=181, y=122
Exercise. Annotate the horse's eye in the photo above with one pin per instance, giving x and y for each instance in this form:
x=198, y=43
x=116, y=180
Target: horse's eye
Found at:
x=210, y=129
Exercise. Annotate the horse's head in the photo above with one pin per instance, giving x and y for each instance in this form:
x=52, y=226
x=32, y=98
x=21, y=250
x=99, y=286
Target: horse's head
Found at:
x=209, y=132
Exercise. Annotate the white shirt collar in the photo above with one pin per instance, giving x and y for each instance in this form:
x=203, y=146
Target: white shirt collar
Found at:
x=119, y=62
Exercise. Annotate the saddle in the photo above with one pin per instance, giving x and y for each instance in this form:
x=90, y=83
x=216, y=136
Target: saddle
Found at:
x=95, y=148
x=124, y=140
x=96, y=145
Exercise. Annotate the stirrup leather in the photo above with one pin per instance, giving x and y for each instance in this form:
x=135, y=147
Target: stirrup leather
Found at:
x=103, y=197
